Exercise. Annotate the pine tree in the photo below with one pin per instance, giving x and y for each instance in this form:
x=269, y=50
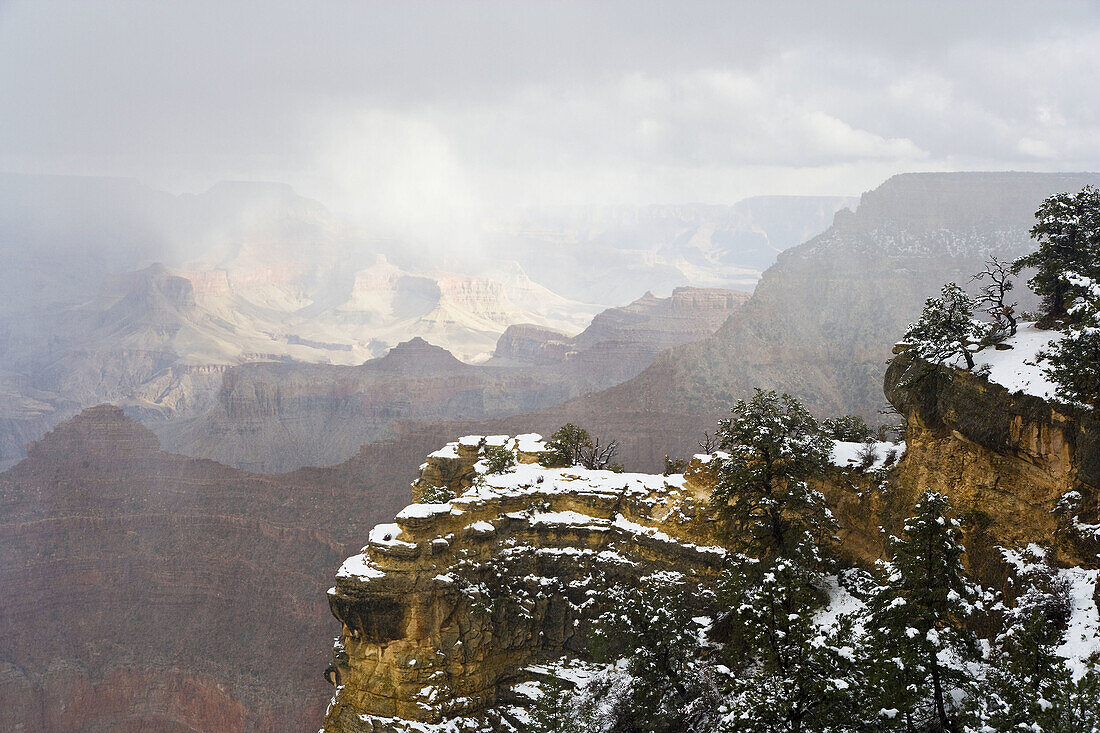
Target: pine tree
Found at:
x=774, y=447
x=1028, y=683
x=946, y=329
x=792, y=674
x=1067, y=229
x=917, y=646
x=1075, y=366
x=1074, y=360
x=650, y=628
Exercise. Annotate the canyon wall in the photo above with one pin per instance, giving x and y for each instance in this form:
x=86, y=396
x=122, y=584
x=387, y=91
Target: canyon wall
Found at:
x=450, y=609
x=150, y=591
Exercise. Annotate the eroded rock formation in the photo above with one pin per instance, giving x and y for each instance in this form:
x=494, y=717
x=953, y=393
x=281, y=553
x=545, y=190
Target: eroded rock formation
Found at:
x=453, y=605
x=148, y=591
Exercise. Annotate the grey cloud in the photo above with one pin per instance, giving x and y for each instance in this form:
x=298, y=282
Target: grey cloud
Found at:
x=432, y=110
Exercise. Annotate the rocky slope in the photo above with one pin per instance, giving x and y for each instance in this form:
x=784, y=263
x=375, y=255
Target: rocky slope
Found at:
x=451, y=611
x=150, y=591
x=820, y=321
x=620, y=339
x=252, y=272
x=85, y=317
x=277, y=417
x=608, y=254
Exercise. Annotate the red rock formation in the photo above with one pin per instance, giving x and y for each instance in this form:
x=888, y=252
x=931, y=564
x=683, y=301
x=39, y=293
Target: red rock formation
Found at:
x=150, y=591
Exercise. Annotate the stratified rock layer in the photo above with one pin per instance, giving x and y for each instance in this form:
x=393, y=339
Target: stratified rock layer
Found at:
x=448, y=608
x=149, y=591
x=1008, y=462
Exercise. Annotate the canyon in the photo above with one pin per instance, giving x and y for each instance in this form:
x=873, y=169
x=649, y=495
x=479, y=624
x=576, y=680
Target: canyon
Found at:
x=453, y=612
x=113, y=291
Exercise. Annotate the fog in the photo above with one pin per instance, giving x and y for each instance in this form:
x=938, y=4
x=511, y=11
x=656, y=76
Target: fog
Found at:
x=427, y=116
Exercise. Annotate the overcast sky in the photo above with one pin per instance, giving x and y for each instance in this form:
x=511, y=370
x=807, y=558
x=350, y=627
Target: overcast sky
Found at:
x=409, y=109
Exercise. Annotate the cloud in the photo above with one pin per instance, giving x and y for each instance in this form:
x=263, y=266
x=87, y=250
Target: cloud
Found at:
x=422, y=114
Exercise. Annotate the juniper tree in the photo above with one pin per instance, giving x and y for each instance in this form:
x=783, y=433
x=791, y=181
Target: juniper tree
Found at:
x=917, y=645
x=1067, y=229
x=774, y=448
x=946, y=329
x=566, y=446
x=573, y=446
x=498, y=459
x=849, y=428
x=993, y=298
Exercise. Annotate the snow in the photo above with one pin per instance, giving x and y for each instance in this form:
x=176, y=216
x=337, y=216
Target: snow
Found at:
x=470, y=441
x=1017, y=369
x=566, y=517
x=846, y=455
x=530, y=443
x=1082, y=637
x=383, y=533
x=448, y=451
x=358, y=566
x=481, y=527
x=423, y=511
x=841, y=603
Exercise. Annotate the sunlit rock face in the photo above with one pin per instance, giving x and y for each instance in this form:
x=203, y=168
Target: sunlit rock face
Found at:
x=447, y=607
x=1017, y=468
x=278, y=417
x=451, y=608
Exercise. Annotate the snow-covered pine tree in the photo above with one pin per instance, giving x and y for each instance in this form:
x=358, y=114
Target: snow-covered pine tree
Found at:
x=917, y=648
x=1028, y=686
x=663, y=684
x=790, y=674
x=774, y=446
x=946, y=329
x=1067, y=229
x=1074, y=360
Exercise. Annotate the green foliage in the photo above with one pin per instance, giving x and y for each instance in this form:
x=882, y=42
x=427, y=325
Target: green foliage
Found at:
x=1075, y=366
x=566, y=444
x=918, y=644
x=946, y=329
x=1074, y=359
x=849, y=428
x=498, y=459
x=436, y=495
x=775, y=446
x=1028, y=683
x=789, y=672
x=651, y=630
x=1067, y=229
x=556, y=711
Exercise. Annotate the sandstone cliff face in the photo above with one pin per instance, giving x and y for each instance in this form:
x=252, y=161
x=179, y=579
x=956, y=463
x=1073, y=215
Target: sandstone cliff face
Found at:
x=150, y=591
x=1010, y=463
x=448, y=607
